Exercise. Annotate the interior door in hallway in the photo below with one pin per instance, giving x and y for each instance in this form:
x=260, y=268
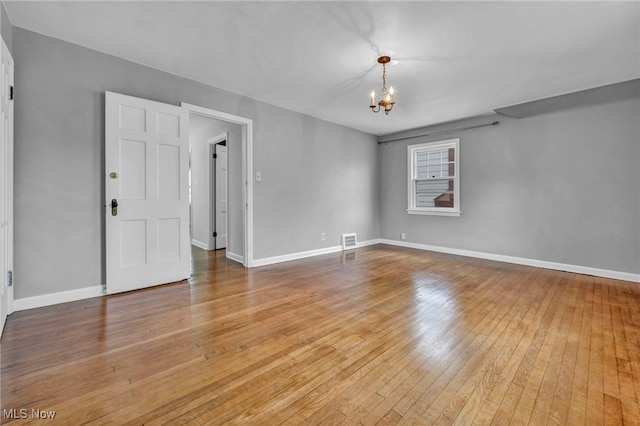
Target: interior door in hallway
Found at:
x=146, y=188
x=221, y=196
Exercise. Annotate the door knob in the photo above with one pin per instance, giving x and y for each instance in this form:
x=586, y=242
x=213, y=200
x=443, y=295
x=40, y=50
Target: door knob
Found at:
x=114, y=207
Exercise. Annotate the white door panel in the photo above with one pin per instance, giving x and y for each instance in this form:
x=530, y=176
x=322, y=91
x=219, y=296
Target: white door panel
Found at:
x=221, y=196
x=6, y=184
x=146, y=164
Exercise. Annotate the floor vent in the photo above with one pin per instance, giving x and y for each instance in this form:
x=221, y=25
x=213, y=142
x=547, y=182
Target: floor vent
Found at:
x=349, y=241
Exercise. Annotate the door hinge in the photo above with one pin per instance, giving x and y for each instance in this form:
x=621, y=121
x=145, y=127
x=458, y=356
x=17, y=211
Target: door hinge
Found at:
x=215, y=234
x=215, y=155
x=10, y=93
x=9, y=278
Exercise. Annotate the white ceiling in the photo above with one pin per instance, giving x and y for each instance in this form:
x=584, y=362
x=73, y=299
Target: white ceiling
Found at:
x=453, y=59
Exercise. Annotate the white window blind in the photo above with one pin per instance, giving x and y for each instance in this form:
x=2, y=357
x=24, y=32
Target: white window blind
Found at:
x=434, y=185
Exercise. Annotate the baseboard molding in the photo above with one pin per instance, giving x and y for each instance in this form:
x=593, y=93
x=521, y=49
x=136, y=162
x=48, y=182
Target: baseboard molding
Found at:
x=200, y=244
x=295, y=256
x=59, y=297
x=236, y=257
x=605, y=273
x=369, y=243
x=97, y=291
x=304, y=254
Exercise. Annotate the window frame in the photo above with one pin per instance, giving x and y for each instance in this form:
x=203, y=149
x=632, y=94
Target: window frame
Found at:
x=412, y=151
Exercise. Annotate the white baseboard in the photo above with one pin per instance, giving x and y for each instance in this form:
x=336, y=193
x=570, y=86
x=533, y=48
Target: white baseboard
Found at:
x=96, y=291
x=233, y=256
x=59, y=297
x=295, y=256
x=369, y=243
x=304, y=254
x=605, y=273
x=200, y=244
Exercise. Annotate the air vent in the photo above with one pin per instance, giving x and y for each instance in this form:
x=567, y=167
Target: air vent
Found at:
x=349, y=241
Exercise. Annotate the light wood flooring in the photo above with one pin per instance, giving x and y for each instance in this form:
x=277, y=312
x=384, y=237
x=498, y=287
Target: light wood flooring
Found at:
x=379, y=335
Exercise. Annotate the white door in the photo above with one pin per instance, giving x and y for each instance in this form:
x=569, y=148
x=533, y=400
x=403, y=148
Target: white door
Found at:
x=6, y=184
x=147, y=205
x=221, y=196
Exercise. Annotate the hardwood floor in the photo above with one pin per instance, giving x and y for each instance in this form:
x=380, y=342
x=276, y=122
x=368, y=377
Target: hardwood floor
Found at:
x=381, y=335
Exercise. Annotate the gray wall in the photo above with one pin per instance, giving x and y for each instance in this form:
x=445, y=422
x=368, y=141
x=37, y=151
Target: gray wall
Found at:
x=561, y=187
x=5, y=28
x=201, y=184
x=317, y=176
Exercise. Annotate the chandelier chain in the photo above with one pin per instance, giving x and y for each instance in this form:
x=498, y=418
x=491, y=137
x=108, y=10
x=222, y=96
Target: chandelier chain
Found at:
x=384, y=79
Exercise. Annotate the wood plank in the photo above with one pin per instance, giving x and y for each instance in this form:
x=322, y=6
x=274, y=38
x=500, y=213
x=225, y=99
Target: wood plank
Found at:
x=595, y=383
x=559, y=409
x=553, y=357
x=577, y=410
x=479, y=408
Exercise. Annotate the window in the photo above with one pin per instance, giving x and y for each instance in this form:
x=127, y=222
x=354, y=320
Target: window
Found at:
x=434, y=178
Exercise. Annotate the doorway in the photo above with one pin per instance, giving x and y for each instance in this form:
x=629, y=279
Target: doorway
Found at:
x=237, y=133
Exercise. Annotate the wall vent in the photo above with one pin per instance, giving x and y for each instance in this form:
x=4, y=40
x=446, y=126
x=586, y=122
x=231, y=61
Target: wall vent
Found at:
x=349, y=241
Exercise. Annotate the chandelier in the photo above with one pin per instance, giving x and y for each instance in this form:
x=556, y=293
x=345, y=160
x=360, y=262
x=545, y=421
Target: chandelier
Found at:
x=387, y=97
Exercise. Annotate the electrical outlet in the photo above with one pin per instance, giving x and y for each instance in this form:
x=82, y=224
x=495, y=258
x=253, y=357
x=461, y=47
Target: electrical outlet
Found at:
x=403, y=236
x=324, y=237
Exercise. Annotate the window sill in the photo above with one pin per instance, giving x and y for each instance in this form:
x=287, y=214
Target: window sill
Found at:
x=454, y=213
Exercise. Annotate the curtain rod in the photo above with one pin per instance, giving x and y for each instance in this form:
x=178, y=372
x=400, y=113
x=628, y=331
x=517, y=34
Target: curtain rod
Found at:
x=495, y=123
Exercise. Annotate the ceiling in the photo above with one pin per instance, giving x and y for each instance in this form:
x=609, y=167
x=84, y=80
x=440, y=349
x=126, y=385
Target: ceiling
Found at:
x=452, y=60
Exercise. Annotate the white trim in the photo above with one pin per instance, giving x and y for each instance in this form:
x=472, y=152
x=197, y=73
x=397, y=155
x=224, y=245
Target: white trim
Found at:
x=247, y=170
x=235, y=257
x=60, y=297
x=435, y=212
x=199, y=244
x=605, y=273
x=295, y=256
x=217, y=139
x=369, y=243
x=304, y=254
x=411, y=179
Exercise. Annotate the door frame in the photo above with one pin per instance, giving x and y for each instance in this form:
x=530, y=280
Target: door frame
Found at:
x=212, y=189
x=6, y=180
x=247, y=170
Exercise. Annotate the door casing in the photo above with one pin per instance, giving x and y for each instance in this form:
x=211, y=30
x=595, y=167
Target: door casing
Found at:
x=247, y=171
